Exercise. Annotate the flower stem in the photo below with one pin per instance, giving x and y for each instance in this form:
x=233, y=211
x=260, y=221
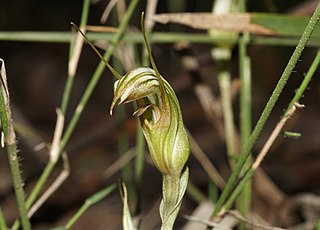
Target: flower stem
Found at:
x=244, y=201
x=173, y=189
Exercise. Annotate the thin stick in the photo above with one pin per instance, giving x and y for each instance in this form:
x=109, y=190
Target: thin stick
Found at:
x=107, y=11
x=272, y=138
x=54, y=156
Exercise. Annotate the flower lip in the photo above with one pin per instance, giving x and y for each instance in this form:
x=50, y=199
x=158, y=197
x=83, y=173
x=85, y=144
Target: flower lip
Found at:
x=136, y=84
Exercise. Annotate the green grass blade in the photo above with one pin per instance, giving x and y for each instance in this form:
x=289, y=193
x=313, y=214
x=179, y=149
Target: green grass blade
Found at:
x=244, y=201
x=284, y=25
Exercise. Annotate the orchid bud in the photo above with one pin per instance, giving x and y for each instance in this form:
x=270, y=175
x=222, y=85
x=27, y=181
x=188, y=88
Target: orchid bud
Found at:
x=160, y=117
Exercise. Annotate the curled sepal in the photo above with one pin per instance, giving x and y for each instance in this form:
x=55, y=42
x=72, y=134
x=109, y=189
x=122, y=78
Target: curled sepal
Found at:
x=173, y=190
x=160, y=117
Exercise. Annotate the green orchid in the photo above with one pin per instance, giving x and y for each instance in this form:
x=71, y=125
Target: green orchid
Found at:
x=162, y=125
x=160, y=117
x=161, y=121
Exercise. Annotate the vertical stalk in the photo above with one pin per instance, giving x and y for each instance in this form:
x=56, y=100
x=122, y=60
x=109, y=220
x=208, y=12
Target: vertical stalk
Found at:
x=173, y=188
x=222, y=55
x=224, y=80
x=3, y=224
x=246, y=150
x=244, y=201
x=170, y=196
x=8, y=136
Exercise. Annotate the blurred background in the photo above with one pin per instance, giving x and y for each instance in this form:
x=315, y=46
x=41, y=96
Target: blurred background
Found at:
x=37, y=73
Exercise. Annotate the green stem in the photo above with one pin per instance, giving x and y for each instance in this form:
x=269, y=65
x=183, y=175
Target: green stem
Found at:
x=245, y=90
x=239, y=189
x=224, y=79
x=173, y=190
x=36, y=190
x=155, y=37
x=3, y=224
x=170, y=193
x=268, y=108
x=9, y=138
x=17, y=182
x=222, y=56
x=245, y=115
x=242, y=5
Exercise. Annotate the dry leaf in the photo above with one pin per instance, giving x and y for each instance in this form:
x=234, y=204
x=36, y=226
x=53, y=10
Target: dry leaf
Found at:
x=238, y=22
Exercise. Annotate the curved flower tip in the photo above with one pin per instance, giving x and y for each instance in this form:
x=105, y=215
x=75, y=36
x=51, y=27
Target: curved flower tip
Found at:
x=160, y=117
x=136, y=84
